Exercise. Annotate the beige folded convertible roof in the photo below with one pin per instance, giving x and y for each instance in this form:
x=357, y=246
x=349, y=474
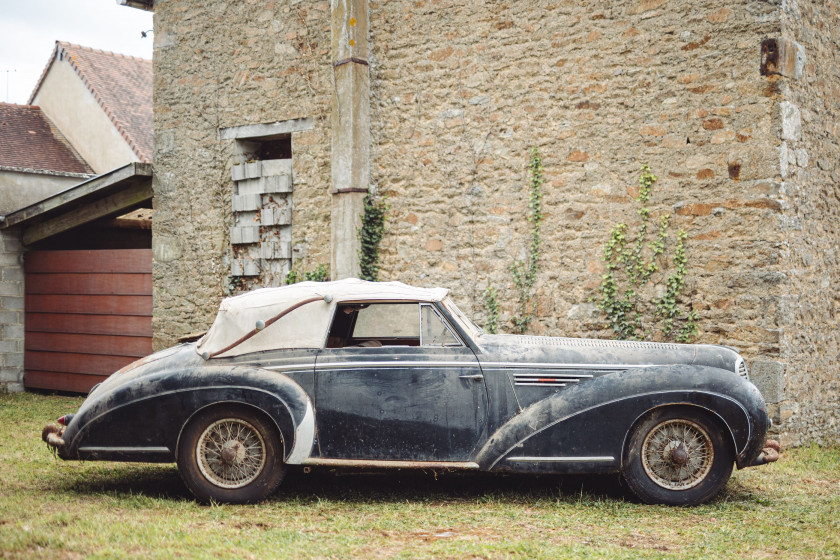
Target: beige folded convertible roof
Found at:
x=304, y=327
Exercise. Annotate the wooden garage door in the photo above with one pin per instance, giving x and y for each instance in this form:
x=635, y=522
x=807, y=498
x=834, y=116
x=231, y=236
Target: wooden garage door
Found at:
x=88, y=313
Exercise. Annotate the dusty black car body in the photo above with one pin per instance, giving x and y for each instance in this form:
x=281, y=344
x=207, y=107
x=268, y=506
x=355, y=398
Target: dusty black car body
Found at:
x=454, y=398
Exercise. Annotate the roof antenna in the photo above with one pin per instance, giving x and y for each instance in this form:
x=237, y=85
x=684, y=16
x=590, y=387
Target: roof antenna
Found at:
x=7, y=82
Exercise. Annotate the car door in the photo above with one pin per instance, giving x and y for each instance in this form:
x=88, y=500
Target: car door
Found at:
x=396, y=383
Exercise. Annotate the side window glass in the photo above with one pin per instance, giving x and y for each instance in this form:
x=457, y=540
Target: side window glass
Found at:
x=388, y=320
x=434, y=331
x=375, y=325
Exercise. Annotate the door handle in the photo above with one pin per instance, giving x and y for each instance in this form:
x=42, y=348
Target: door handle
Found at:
x=474, y=377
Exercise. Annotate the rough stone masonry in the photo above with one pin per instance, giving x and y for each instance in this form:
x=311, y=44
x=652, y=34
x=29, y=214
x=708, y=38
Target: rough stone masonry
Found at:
x=733, y=104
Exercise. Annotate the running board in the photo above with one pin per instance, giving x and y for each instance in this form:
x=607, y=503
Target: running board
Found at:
x=312, y=462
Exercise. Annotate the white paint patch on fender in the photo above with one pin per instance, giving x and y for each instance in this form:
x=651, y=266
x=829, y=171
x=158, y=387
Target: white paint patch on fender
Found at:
x=304, y=438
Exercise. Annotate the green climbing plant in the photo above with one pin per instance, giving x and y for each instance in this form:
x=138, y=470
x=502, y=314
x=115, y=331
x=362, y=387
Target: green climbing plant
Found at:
x=320, y=274
x=631, y=263
x=524, y=272
x=370, y=235
x=491, y=303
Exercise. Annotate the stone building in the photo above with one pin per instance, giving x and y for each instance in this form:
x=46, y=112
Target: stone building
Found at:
x=274, y=118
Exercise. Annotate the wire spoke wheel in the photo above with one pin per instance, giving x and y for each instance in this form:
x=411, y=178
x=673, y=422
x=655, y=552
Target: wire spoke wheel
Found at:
x=677, y=454
x=231, y=453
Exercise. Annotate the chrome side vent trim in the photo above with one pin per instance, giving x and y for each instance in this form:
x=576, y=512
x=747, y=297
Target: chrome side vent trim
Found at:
x=548, y=379
x=741, y=368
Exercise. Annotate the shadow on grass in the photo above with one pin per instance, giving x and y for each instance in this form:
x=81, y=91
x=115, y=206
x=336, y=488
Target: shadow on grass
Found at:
x=425, y=486
x=152, y=481
x=163, y=482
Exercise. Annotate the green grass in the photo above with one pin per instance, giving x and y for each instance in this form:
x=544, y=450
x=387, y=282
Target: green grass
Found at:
x=55, y=509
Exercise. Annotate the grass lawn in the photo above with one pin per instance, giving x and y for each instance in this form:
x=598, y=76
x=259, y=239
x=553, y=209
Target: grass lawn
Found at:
x=55, y=509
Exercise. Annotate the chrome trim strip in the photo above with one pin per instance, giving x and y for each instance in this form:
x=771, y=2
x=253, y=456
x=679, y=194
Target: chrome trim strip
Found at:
x=547, y=384
x=305, y=368
x=394, y=364
x=486, y=365
x=604, y=459
x=94, y=449
x=522, y=375
x=596, y=367
x=390, y=464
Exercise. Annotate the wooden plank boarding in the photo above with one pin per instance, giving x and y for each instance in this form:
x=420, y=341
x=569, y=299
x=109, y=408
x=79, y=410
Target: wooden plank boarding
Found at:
x=88, y=314
x=120, y=261
x=124, y=325
x=61, y=381
x=67, y=362
x=91, y=283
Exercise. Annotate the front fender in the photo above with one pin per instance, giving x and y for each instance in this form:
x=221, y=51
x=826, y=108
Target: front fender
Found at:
x=582, y=428
x=141, y=420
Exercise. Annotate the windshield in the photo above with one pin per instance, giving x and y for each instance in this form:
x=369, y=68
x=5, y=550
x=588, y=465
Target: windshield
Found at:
x=472, y=329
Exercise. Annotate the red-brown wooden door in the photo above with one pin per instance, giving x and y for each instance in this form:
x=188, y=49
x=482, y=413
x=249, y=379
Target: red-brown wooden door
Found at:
x=87, y=314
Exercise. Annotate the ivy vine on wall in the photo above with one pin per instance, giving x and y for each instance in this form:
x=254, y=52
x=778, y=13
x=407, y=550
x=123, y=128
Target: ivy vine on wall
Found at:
x=370, y=235
x=320, y=274
x=628, y=290
x=524, y=272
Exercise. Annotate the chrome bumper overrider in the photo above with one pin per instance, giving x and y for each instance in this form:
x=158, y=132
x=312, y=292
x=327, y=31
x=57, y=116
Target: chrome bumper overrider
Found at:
x=51, y=434
x=770, y=453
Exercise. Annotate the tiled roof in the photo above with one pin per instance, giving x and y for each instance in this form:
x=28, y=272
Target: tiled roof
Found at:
x=28, y=140
x=121, y=84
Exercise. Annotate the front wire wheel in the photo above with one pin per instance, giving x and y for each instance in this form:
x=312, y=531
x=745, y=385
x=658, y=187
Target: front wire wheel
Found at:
x=678, y=456
x=230, y=454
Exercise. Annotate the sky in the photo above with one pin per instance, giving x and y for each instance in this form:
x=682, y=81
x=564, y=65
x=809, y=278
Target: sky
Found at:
x=30, y=28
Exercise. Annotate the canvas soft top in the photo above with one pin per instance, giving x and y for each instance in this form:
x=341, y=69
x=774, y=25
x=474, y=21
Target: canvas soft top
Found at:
x=304, y=327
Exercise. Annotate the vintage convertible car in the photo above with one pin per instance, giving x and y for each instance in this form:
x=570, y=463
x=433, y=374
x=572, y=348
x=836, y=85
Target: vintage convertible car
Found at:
x=363, y=374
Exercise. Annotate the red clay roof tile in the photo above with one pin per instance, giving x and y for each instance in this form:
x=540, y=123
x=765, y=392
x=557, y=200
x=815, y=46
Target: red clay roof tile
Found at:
x=29, y=140
x=121, y=84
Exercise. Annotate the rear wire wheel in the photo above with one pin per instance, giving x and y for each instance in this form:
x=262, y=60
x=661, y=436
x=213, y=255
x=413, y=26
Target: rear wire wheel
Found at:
x=230, y=454
x=678, y=456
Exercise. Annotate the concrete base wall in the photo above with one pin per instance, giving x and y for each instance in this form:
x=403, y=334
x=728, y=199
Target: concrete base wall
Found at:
x=11, y=312
x=19, y=190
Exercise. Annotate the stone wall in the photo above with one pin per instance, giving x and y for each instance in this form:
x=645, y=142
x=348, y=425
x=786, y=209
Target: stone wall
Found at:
x=11, y=312
x=460, y=92
x=220, y=65
x=810, y=162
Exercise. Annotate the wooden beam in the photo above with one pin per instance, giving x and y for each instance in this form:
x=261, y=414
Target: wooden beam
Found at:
x=120, y=202
x=100, y=184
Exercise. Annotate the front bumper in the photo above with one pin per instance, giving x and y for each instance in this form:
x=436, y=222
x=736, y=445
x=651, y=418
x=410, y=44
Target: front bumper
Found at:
x=770, y=453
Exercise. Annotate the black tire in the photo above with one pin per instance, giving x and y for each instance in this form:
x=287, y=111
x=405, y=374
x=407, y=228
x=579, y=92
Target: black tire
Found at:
x=230, y=454
x=677, y=456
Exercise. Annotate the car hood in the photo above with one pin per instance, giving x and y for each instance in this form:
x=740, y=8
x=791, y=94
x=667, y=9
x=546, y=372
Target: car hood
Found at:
x=585, y=351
